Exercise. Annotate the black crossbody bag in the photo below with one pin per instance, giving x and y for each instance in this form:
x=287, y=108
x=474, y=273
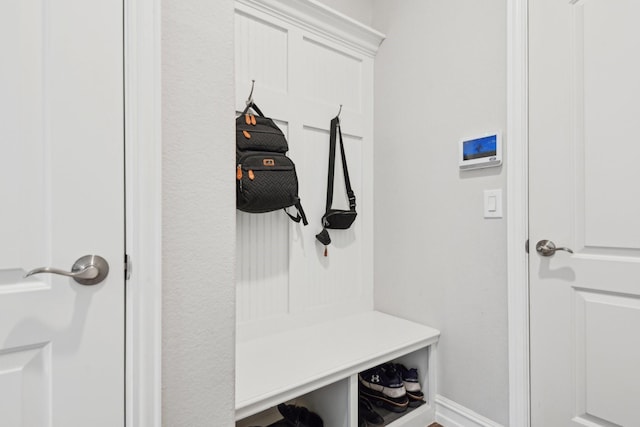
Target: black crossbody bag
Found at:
x=336, y=219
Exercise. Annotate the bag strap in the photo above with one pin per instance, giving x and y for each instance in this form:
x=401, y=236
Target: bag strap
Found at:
x=335, y=128
x=300, y=216
x=254, y=107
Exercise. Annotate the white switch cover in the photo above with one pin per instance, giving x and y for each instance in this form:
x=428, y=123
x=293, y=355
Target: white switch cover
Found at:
x=493, y=203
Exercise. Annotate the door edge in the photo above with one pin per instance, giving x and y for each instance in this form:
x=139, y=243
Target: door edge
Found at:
x=143, y=212
x=518, y=213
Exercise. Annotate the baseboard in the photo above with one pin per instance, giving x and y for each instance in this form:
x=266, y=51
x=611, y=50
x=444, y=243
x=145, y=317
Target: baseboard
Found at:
x=452, y=414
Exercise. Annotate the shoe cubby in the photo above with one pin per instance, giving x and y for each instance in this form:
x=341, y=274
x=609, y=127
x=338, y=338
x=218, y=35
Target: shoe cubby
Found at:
x=331, y=403
x=422, y=360
x=317, y=367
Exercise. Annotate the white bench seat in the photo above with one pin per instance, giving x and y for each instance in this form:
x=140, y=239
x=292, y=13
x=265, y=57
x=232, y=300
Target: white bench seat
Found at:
x=279, y=367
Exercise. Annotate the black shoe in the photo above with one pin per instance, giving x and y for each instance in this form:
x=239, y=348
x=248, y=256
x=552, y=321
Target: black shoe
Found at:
x=367, y=414
x=299, y=416
x=383, y=386
x=411, y=385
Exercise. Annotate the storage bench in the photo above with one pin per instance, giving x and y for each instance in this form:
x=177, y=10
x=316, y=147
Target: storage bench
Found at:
x=328, y=355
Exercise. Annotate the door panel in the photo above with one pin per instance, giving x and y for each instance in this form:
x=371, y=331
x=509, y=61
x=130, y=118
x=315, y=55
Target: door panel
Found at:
x=602, y=367
x=22, y=228
x=585, y=306
x=607, y=112
x=25, y=370
x=62, y=192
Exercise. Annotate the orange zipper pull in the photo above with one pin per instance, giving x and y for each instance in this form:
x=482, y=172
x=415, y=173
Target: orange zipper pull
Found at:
x=247, y=119
x=252, y=176
x=253, y=120
x=239, y=172
x=246, y=134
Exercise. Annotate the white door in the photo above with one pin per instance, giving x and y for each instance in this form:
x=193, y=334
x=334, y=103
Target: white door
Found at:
x=62, y=197
x=585, y=195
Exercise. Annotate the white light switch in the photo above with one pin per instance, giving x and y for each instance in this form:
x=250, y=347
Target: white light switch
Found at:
x=493, y=203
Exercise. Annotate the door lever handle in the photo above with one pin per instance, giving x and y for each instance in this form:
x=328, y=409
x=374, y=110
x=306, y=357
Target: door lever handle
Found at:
x=87, y=270
x=548, y=248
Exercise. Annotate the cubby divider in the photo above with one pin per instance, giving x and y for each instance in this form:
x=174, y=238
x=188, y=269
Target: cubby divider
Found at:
x=323, y=372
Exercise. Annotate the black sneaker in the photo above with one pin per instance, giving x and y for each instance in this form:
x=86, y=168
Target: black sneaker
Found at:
x=366, y=414
x=411, y=385
x=299, y=416
x=383, y=386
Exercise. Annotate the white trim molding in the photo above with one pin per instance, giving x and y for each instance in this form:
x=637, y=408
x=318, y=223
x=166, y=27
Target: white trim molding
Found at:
x=317, y=18
x=143, y=152
x=517, y=212
x=452, y=414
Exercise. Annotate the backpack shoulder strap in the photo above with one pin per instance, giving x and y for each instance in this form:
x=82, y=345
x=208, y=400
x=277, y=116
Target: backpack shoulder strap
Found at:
x=254, y=107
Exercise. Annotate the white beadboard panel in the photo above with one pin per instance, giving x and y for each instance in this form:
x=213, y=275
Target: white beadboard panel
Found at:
x=283, y=279
x=262, y=265
x=339, y=80
x=261, y=54
x=319, y=281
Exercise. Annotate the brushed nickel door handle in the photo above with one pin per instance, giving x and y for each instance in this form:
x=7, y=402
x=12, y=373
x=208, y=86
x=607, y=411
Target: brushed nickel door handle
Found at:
x=87, y=270
x=548, y=248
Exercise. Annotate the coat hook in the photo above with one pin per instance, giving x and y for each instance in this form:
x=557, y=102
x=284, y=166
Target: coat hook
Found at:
x=250, y=98
x=338, y=116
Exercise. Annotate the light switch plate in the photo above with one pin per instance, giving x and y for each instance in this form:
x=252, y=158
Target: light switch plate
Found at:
x=493, y=203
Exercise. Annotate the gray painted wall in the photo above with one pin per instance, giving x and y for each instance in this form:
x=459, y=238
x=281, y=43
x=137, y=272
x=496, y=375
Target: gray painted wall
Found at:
x=440, y=76
x=198, y=213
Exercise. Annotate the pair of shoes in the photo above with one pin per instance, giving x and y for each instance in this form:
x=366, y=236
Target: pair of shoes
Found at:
x=366, y=414
x=383, y=386
x=392, y=386
x=411, y=385
x=297, y=416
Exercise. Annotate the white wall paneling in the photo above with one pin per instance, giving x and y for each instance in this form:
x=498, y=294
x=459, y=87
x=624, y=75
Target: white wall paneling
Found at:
x=305, y=66
x=293, y=303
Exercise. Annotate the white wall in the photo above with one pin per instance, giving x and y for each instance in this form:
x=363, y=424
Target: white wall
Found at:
x=441, y=75
x=198, y=213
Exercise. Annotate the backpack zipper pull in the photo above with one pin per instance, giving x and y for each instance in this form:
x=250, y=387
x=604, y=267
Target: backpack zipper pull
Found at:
x=246, y=134
x=239, y=175
x=247, y=119
x=253, y=120
x=252, y=176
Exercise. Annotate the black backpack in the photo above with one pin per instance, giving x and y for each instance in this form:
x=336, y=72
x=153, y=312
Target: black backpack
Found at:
x=266, y=178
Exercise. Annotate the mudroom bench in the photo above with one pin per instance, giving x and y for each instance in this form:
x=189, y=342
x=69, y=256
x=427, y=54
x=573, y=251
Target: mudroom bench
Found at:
x=306, y=318
x=317, y=367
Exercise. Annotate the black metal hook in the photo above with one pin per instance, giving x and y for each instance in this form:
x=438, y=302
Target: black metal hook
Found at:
x=249, y=100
